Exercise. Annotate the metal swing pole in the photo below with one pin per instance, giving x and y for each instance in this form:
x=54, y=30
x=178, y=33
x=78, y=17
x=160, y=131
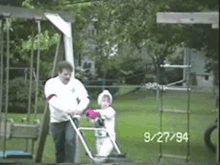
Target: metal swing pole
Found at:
x=7, y=81
x=161, y=121
x=38, y=67
x=188, y=109
x=1, y=82
x=30, y=82
x=217, y=149
x=56, y=56
x=43, y=130
x=37, y=80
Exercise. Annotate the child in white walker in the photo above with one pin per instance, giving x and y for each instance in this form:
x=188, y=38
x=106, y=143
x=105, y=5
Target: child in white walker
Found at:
x=106, y=113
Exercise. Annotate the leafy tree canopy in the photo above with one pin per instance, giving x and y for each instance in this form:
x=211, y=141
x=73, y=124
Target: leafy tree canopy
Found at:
x=129, y=24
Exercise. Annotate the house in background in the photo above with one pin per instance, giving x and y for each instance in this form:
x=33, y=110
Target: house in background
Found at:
x=87, y=66
x=84, y=62
x=198, y=61
x=199, y=76
x=198, y=68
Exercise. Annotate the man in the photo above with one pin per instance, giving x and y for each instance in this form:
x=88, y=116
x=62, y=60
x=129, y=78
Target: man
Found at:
x=66, y=96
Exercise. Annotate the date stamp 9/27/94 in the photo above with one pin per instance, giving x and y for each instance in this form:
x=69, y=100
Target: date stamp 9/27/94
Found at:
x=162, y=137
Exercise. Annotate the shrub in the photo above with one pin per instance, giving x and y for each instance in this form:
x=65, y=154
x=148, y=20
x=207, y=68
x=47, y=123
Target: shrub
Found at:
x=173, y=75
x=19, y=94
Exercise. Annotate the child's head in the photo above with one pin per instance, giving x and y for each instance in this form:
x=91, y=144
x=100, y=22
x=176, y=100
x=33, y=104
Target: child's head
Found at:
x=105, y=99
x=105, y=102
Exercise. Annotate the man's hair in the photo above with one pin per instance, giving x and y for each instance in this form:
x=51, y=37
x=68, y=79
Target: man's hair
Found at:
x=64, y=65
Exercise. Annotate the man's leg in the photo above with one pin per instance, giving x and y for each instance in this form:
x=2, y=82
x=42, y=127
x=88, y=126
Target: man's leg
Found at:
x=71, y=142
x=58, y=133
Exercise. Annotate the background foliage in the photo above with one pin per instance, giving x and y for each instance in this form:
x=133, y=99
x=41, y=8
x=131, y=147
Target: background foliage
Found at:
x=19, y=95
x=128, y=24
x=141, y=45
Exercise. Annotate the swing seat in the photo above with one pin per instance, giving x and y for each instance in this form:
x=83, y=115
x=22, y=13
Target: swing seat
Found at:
x=17, y=130
x=26, y=131
x=15, y=154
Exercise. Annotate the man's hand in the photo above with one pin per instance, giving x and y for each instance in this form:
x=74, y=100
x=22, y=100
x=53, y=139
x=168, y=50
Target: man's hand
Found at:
x=87, y=112
x=71, y=112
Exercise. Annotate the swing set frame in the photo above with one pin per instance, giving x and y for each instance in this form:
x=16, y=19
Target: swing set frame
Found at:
x=27, y=130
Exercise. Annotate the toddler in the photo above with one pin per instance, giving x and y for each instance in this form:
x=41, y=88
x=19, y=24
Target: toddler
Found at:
x=103, y=117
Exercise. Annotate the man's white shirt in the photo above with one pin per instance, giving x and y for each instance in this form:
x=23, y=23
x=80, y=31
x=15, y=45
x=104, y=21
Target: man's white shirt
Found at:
x=65, y=97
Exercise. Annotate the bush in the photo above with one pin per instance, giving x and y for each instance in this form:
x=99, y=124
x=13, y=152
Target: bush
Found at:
x=135, y=79
x=174, y=75
x=19, y=94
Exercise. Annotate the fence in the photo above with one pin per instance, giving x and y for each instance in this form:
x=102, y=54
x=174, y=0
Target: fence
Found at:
x=210, y=94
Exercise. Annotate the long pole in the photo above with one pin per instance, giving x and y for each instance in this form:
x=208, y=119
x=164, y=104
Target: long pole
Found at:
x=37, y=79
x=44, y=130
x=1, y=83
x=30, y=81
x=7, y=82
x=38, y=67
x=161, y=121
x=188, y=108
x=217, y=149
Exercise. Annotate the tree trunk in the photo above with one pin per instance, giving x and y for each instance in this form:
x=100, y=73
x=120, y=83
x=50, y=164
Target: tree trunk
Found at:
x=158, y=70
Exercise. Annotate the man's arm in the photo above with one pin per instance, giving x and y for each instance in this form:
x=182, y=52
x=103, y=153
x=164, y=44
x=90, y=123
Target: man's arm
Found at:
x=83, y=104
x=56, y=103
x=52, y=98
x=83, y=99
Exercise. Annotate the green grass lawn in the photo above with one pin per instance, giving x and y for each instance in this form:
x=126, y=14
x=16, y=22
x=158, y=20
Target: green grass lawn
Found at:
x=137, y=115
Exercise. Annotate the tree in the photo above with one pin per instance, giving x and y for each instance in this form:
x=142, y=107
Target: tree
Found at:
x=130, y=23
x=20, y=33
x=134, y=22
x=11, y=2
